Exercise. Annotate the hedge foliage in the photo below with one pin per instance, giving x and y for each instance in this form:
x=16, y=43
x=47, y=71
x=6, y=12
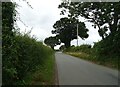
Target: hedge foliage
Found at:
x=109, y=46
x=82, y=48
x=20, y=53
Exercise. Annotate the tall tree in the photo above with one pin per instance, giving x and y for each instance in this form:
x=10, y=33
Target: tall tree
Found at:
x=52, y=41
x=66, y=29
x=104, y=15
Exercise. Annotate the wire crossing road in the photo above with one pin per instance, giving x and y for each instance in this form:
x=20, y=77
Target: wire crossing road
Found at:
x=74, y=71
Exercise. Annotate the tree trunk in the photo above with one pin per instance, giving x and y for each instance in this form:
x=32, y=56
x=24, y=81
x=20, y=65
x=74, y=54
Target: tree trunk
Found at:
x=67, y=44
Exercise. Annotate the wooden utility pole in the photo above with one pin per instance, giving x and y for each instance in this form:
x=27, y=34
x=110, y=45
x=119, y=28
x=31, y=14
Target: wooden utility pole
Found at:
x=77, y=34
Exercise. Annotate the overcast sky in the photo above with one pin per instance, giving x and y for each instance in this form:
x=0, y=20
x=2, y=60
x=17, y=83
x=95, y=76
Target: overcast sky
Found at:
x=42, y=17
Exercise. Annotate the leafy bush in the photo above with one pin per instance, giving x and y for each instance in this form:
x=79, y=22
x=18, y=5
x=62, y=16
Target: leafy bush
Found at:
x=27, y=55
x=109, y=46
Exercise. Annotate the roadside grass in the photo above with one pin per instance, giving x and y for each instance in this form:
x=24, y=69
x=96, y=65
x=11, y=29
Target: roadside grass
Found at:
x=43, y=74
x=79, y=54
x=105, y=61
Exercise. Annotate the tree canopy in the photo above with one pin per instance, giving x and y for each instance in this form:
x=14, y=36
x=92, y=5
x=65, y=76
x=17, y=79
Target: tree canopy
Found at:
x=104, y=15
x=66, y=30
x=52, y=41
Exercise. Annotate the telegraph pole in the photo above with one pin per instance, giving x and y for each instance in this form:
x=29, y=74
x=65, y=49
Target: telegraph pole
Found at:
x=77, y=34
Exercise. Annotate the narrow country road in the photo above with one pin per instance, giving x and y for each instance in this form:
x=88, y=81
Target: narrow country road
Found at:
x=74, y=71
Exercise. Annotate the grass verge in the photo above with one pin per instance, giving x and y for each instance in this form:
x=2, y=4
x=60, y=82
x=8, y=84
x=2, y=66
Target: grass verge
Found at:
x=44, y=74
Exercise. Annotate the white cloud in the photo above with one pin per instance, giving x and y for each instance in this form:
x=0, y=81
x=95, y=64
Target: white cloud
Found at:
x=42, y=17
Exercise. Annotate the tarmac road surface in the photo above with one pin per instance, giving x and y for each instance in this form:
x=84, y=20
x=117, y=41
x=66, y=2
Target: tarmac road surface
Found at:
x=74, y=71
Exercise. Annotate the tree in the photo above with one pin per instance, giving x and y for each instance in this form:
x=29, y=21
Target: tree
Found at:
x=104, y=15
x=52, y=41
x=66, y=29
